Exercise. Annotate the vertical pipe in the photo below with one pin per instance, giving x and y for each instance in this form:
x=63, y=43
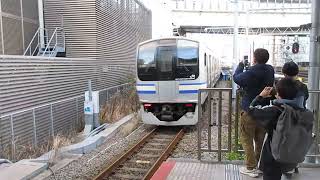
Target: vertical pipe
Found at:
x=219, y=125
x=314, y=68
x=199, y=125
x=230, y=121
x=209, y=121
x=41, y=22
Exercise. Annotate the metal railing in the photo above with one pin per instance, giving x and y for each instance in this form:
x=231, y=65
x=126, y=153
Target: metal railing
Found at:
x=216, y=97
x=34, y=126
x=223, y=5
x=52, y=40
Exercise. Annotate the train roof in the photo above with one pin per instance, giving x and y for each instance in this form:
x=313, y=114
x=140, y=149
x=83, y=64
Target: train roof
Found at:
x=168, y=38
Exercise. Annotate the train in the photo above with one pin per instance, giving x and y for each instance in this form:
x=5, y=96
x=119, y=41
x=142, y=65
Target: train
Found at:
x=170, y=71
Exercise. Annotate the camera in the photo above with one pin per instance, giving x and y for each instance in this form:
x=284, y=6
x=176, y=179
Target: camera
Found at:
x=246, y=62
x=273, y=92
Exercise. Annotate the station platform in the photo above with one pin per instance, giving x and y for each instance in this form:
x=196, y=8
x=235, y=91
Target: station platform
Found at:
x=185, y=169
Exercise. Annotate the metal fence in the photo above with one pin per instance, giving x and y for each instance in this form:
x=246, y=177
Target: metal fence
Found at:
x=36, y=125
x=219, y=102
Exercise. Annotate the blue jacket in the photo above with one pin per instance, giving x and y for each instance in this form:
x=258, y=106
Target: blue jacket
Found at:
x=253, y=81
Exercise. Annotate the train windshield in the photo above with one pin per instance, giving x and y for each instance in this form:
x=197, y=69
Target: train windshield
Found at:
x=168, y=60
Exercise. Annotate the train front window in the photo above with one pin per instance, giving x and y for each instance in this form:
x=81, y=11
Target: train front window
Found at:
x=146, y=63
x=165, y=58
x=187, y=60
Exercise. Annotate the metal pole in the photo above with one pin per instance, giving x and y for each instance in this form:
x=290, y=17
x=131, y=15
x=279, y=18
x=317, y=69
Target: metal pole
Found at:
x=314, y=70
x=90, y=90
x=209, y=121
x=51, y=118
x=34, y=127
x=199, y=125
x=236, y=31
x=41, y=22
x=230, y=122
x=219, y=126
x=235, y=43
x=236, y=122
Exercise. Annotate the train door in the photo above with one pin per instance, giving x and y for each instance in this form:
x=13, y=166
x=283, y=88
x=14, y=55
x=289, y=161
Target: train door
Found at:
x=165, y=58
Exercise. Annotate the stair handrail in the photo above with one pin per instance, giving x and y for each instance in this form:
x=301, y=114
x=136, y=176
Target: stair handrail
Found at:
x=30, y=44
x=48, y=44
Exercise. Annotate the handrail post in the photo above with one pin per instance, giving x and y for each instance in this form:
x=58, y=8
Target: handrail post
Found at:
x=236, y=122
x=199, y=124
x=219, y=125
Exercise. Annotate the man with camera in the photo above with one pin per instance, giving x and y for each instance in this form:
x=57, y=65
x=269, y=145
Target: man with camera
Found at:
x=252, y=81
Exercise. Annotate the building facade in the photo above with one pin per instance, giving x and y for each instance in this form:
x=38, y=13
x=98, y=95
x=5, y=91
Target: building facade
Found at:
x=18, y=23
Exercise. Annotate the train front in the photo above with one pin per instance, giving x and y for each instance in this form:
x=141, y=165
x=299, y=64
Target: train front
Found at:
x=168, y=81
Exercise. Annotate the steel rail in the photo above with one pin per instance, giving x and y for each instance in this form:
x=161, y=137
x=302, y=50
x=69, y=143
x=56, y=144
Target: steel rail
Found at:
x=164, y=155
x=107, y=172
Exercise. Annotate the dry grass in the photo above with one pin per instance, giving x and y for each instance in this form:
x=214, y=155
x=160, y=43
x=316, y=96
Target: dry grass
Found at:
x=17, y=152
x=120, y=105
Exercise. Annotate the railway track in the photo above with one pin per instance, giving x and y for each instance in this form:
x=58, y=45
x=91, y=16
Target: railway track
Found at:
x=144, y=158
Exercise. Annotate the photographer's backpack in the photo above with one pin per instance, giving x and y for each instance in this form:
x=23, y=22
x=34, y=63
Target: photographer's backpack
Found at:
x=292, y=137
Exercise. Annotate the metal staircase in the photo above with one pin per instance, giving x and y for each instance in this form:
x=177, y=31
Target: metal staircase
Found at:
x=52, y=45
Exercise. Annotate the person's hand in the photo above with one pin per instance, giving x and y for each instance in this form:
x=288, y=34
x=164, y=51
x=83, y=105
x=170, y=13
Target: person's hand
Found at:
x=241, y=64
x=266, y=92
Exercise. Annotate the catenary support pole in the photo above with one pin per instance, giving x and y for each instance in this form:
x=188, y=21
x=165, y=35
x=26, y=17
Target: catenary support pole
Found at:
x=235, y=44
x=314, y=69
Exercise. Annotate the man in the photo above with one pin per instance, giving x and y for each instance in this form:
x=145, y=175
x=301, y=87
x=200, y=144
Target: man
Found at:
x=267, y=117
x=291, y=70
x=252, y=81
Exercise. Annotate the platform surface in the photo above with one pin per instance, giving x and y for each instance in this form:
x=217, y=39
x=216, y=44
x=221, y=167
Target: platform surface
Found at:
x=191, y=170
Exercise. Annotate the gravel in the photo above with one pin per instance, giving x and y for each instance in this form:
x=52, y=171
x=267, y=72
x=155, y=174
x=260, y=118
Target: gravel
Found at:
x=188, y=146
x=89, y=165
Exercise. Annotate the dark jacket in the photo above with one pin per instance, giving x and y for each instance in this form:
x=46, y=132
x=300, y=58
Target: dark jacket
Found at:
x=267, y=117
x=253, y=81
x=303, y=91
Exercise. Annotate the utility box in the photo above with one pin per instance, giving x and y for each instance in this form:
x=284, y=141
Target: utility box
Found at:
x=95, y=106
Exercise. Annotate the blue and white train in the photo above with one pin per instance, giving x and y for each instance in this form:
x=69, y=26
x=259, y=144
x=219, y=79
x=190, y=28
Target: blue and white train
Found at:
x=170, y=71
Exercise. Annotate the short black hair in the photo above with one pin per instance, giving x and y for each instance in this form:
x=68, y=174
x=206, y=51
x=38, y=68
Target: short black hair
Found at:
x=261, y=55
x=290, y=69
x=287, y=88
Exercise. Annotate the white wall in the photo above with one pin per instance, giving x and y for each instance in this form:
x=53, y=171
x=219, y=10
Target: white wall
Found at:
x=161, y=18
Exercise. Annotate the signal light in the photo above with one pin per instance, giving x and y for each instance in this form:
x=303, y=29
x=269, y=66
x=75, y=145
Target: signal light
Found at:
x=295, y=48
x=188, y=105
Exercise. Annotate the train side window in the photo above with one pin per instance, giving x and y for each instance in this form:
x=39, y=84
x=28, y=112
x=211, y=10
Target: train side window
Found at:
x=205, y=59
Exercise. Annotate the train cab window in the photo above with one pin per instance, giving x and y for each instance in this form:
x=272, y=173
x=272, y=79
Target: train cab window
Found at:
x=146, y=62
x=187, y=66
x=165, y=58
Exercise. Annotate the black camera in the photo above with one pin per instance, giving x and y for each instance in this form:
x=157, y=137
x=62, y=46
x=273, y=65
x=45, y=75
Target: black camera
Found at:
x=246, y=62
